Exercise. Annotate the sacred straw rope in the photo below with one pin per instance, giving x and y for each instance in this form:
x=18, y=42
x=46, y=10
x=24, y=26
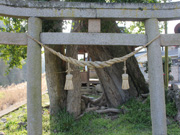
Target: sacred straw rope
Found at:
x=94, y=64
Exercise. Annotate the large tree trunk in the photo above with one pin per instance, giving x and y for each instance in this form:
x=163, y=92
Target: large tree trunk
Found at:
x=59, y=98
x=111, y=77
x=55, y=76
x=55, y=71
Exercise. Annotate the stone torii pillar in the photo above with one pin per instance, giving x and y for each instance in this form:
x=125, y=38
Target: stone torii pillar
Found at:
x=156, y=83
x=34, y=106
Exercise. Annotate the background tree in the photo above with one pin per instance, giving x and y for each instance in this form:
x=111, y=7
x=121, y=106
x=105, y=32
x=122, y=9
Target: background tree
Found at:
x=13, y=55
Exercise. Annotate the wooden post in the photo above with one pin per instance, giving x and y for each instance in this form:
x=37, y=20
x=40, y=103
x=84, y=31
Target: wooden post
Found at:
x=156, y=83
x=34, y=106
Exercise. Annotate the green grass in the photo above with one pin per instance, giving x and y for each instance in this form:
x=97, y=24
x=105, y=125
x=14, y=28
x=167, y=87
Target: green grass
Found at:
x=135, y=122
x=11, y=127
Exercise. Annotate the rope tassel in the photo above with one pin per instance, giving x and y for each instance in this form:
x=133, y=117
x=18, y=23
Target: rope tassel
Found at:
x=125, y=82
x=69, y=82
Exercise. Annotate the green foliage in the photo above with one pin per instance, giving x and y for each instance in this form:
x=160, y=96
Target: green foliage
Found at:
x=13, y=55
x=136, y=28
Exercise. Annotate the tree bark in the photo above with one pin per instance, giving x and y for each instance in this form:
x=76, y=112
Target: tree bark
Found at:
x=111, y=77
x=74, y=96
x=55, y=76
x=55, y=71
x=59, y=98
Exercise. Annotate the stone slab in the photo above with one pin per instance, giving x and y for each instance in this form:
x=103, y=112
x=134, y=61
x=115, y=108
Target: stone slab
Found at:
x=82, y=10
x=93, y=39
x=89, y=39
x=170, y=39
x=13, y=38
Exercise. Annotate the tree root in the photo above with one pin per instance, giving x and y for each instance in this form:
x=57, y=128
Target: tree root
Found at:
x=98, y=105
x=109, y=110
x=101, y=101
x=145, y=95
x=87, y=110
x=91, y=109
x=100, y=111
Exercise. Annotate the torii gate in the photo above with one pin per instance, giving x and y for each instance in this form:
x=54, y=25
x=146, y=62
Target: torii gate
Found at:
x=35, y=11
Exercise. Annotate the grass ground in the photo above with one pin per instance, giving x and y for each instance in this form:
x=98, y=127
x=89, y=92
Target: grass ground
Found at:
x=16, y=93
x=134, y=122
